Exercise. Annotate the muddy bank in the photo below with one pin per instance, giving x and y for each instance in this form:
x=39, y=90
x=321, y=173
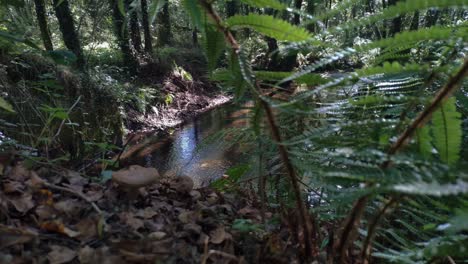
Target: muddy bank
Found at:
x=181, y=98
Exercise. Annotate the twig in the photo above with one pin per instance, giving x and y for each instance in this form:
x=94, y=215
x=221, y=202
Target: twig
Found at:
x=220, y=253
x=308, y=232
x=63, y=121
x=76, y=193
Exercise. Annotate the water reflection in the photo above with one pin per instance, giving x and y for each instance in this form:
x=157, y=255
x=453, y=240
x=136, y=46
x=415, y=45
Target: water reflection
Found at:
x=185, y=152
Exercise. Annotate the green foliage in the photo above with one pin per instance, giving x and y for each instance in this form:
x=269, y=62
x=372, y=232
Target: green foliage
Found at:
x=265, y=3
x=269, y=26
x=446, y=128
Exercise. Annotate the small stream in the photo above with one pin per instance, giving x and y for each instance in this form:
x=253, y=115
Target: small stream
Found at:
x=186, y=152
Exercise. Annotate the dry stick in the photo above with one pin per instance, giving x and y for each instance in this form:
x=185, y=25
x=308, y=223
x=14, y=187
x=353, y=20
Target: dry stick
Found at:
x=308, y=232
x=76, y=193
x=351, y=223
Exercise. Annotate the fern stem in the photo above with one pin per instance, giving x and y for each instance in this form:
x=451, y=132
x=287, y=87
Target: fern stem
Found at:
x=351, y=223
x=367, y=245
x=310, y=249
x=424, y=116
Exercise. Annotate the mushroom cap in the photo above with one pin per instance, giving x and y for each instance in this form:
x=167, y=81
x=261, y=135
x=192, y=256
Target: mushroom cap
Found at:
x=136, y=176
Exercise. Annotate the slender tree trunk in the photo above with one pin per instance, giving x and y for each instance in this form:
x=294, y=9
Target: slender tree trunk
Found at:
x=415, y=21
x=146, y=27
x=396, y=22
x=164, y=27
x=432, y=16
x=232, y=8
x=135, y=35
x=121, y=33
x=67, y=27
x=195, y=36
x=297, y=18
x=311, y=11
x=42, y=21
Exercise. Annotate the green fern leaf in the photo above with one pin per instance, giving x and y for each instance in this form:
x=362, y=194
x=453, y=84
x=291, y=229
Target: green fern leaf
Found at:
x=447, y=132
x=269, y=26
x=194, y=11
x=5, y=105
x=265, y=3
x=424, y=141
x=213, y=43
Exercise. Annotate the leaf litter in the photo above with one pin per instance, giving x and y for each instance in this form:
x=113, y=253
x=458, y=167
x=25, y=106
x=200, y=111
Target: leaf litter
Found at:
x=62, y=216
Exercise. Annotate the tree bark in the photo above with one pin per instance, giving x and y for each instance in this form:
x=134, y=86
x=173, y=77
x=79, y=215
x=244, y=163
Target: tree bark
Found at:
x=396, y=22
x=42, y=21
x=297, y=18
x=121, y=33
x=415, y=21
x=135, y=35
x=164, y=27
x=67, y=27
x=311, y=11
x=432, y=16
x=146, y=27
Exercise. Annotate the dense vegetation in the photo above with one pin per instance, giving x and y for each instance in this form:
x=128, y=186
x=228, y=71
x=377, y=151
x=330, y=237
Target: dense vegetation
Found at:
x=358, y=127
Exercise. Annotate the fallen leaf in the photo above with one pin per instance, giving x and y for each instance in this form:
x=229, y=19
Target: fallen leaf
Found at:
x=70, y=207
x=58, y=227
x=157, y=235
x=60, y=254
x=218, y=235
x=11, y=236
x=130, y=220
x=45, y=212
x=87, y=229
x=147, y=213
x=22, y=204
x=12, y=187
x=86, y=255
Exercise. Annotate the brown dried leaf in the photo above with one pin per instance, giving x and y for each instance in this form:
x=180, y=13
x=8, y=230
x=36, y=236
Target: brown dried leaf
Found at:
x=60, y=254
x=87, y=228
x=11, y=236
x=22, y=204
x=218, y=235
x=12, y=187
x=130, y=220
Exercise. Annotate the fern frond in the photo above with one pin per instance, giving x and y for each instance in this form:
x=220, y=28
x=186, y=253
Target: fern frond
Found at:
x=446, y=128
x=275, y=4
x=269, y=26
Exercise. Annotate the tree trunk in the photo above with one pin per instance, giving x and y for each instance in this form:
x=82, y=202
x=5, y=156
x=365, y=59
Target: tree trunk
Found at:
x=42, y=21
x=195, y=36
x=415, y=21
x=311, y=11
x=396, y=22
x=432, y=16
x=164, y=27
x=121, y=33
x=134, y=28
x=146, y=27
x=232, y=8
x=297, y=18
x=67, y=27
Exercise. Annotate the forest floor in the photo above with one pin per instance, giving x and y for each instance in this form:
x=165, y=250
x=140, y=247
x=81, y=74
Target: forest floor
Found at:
x=185, y=99
x=59, y=216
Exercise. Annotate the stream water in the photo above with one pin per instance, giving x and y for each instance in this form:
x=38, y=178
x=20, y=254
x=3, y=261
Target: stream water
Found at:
x=186, y=151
